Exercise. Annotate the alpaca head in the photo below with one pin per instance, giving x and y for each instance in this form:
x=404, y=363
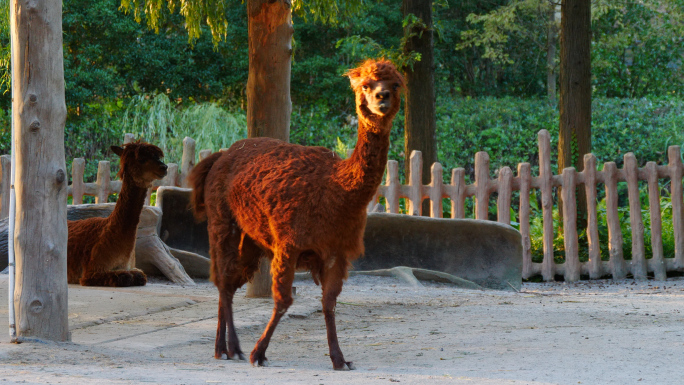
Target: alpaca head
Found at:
x=140, y=163
x=377, y=85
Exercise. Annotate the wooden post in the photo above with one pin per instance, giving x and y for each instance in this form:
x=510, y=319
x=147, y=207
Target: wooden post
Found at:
x=504, y=200
x=436, y=191
x=392, y=187
x=203, y=154
x=572, y=265
x=188, y=160
x=657, y=262
x=38, y=115
x=617, y=261
x=482, y=185
x=129, y=138
x=103, y=181
x=5, y=181
x=415, y=186
x=171, y=175
x=525, y=175
x=595, y=266
x=675, y=166
x=459, y=187
x=77, y=185
x=639, y=266
x=545, y=174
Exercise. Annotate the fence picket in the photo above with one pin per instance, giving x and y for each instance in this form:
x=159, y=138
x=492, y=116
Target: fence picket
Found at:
x=436, y=190
x=617, y=261
x=187, y=161
x=546, y=186
x=675, y=166
x=595, y=266
x=657, y=263
x=392, y=187
x=481, y=185
x=415, y=187
x=639, y=267
x=572, y=265
x=525, y=175
x=458, y=188
x=504, y=199
x=103, y=181
x=77, y=185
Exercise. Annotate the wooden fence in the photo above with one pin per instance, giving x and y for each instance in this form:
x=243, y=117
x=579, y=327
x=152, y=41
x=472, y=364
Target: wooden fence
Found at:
x=481, y=190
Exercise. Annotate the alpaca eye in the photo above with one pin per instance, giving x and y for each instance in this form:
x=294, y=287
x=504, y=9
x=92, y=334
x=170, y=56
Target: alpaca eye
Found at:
x=396, y=86
x=364, y=87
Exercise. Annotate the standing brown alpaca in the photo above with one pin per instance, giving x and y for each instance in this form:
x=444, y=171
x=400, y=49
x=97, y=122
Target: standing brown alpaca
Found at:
x=100, y=250
x=303, y=206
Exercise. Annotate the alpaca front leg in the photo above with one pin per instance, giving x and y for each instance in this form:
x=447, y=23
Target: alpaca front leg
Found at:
x=332, y=287
x=282, y=270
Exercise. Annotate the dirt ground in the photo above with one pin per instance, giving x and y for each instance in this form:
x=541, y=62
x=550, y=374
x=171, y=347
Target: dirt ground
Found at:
x=598, y=332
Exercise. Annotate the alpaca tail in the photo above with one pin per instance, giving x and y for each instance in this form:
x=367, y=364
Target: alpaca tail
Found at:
x=197, y=177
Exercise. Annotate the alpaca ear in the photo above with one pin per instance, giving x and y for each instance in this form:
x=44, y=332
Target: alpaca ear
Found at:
x=354, y=77
x=117, y=150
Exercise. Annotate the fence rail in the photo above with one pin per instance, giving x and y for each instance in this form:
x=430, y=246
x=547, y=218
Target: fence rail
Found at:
x=481, y=190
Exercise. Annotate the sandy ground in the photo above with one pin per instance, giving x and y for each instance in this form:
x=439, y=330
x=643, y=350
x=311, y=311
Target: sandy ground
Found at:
x=598, y=332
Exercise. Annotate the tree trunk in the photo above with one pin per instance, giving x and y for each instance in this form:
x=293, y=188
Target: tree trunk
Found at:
x=268, y=87
x=574, y=138
x=419, y=115
x=39, y=113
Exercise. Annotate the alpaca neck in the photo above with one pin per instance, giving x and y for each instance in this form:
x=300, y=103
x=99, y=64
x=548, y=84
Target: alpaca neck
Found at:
x=362, y=172
x=126, y=214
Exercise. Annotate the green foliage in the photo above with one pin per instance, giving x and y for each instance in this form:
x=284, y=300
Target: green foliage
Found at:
x=156, y=119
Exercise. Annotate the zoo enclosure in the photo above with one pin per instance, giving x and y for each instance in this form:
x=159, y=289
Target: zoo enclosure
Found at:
x=481, y=190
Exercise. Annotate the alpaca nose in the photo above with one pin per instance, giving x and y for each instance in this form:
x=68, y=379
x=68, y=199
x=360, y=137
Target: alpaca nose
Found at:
x=382, y=95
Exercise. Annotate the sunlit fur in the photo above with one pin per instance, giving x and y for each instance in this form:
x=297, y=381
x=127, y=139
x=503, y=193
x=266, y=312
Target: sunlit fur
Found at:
x=100, y=251
x=302, y=207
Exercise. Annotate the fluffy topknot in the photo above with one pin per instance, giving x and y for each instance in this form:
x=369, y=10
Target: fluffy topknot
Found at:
x=374, y=69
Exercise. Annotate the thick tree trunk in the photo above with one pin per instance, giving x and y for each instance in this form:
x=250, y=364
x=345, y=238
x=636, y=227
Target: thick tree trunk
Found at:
x=419, y=115
x=268, y=87
x=574, y=138
x=39, y=113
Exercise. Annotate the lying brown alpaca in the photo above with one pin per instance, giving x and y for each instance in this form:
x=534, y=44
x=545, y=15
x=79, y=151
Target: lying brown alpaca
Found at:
x=100, y=250
x=302, y=206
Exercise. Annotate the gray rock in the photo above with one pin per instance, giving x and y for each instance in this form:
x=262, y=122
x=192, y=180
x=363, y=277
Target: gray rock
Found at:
x=484, y=252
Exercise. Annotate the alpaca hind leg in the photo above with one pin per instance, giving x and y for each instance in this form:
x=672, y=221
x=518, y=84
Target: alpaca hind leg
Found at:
x=282, y=270
x=226, y=274
x=332, y=281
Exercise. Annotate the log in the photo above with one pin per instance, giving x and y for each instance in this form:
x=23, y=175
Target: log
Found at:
x=187, y=161
x=103, y=181
x=504, y=200
x=436, y=191
x=415, y=186
x=5, y=181
x=77, y=185
x=392, y=187
x=675, y=166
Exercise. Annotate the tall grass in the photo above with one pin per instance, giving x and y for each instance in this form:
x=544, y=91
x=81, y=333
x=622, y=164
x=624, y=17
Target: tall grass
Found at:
x=158, y=120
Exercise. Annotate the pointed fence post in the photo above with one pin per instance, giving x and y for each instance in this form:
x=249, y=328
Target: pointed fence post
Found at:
x=545, y=174
x=617, y=261
x=657, y=262
x=525, y=175
x=572, y=265
x=595, y=266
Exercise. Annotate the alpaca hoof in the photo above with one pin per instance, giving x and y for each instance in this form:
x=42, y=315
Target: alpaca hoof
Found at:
x=346, y=366
x=138, y=278
x=258, y=359
x=238, y=357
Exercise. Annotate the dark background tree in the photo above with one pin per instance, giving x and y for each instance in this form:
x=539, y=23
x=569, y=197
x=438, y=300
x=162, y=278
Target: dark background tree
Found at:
x=574, y=135
x=419, y=111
